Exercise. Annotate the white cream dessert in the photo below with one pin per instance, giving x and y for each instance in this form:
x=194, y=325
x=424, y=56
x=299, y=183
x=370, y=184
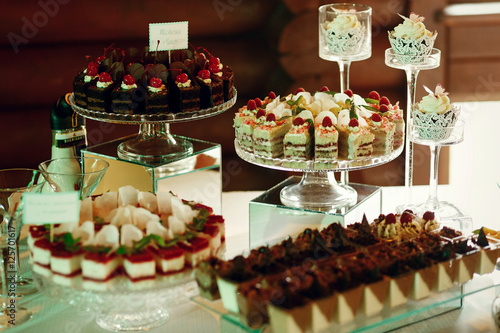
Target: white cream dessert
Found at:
x=410, y=40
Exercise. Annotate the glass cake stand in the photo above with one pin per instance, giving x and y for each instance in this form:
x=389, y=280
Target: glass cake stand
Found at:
x=121, y=305
x=318, y=188
x=154, y=143
x=435, y=138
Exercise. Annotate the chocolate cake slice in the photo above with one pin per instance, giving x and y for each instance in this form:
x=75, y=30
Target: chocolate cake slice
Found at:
x=99, y=94
x=157, y=91
x=184, y=91
x=129, y=96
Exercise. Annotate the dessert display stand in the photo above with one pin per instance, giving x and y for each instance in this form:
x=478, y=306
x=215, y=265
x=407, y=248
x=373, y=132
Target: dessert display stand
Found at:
x=157, y=159
x=435, y=138
x=314, y=200
x=412, y=65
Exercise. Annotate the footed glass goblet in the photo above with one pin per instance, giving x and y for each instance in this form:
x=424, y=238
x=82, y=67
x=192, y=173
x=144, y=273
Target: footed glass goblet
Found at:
x=13, y=183
x=81, y=174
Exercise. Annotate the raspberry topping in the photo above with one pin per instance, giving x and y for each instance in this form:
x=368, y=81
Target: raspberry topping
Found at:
x=128, y=80
x=204, y=74
x=390, y=219
x=374, y=95
x=299, y=90
x=260, y=113
x=182, y=78
x=251, y=105
x=155, y=82
x=327, y=122
x=384, y=101
x=214, y=61
x=100, y=59
x=104, y=77
x=353, y=123
x=271, y=117
x=258, y=102
x=298, y=121
x=428, y=216
x=383, y=108
x=349, y=92
x=406, y=217
x=324, y=88
x=213, y=69
x=92, y=71
x=272, y=95
x=376, y=117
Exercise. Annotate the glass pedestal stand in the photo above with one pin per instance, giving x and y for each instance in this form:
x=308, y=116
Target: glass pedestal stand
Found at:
x=412, y=70
x=154, y=144
x=344, y=47
x=435, y=138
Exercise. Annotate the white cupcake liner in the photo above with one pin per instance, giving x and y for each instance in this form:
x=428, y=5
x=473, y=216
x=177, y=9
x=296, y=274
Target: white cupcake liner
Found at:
x=433, y=126
x=348, y=43
x=412, y=51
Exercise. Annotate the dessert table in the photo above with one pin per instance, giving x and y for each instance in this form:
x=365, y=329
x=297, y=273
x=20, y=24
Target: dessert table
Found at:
x=473, y=188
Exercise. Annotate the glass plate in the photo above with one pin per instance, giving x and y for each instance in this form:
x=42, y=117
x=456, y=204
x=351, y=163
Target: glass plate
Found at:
x=122, y=305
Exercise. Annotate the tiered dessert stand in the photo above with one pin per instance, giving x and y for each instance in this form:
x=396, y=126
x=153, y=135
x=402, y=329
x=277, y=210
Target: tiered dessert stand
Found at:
x=154, y=143
x=412, y=68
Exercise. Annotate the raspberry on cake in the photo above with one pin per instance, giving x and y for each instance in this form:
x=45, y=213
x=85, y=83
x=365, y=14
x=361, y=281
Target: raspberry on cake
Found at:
x=196, y=250
x=298, y=141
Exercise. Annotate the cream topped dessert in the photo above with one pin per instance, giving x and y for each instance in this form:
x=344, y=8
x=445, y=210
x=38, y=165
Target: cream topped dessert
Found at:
x=411, y=28
x=435, y=102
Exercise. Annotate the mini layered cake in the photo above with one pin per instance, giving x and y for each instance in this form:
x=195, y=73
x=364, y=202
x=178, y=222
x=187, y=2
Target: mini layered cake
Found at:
x=326, y=139
x=298, y=143
x=268, y=137
x=128, y=97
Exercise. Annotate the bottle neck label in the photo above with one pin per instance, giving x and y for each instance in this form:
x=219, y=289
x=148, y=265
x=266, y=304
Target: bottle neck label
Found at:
x=71, y=139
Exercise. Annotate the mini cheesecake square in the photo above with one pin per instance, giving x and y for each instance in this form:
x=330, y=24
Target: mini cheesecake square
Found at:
x=42, y=252
x=217, y=220
x=170, y=259
x=212, y=233
x=35, y=233
x=65, y=262
x=196, y=250
x=100, y=267
x=139, y=266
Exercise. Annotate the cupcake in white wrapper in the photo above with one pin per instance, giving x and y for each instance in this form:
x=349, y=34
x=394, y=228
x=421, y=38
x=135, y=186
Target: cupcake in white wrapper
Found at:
x=411, y=41
x=434, y=115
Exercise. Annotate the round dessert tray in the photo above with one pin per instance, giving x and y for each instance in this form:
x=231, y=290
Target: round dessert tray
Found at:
x=318, y=188
x=154, y=143
x=122, y=305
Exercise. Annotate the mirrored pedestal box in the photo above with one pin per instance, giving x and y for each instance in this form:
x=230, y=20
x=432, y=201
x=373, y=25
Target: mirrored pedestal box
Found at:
x=194, y=176
x=271, y=221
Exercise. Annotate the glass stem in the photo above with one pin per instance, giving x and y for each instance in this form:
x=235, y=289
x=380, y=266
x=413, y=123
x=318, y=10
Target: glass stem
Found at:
x=344, y=66
x=433, y=202
x=411, y=85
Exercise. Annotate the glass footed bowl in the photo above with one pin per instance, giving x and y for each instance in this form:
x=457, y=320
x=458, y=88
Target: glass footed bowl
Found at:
x=121, y=305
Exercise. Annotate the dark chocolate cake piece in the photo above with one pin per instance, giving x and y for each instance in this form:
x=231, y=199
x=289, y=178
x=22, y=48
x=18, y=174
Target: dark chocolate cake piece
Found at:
x=184, y=91
x=83, y=81
x=157, y=91
x=99, y=94
x=211, y=91
x=129, y=96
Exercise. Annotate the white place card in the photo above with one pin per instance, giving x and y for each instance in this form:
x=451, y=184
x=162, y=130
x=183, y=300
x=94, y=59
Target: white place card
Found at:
x=51, y=208
x=168, y=36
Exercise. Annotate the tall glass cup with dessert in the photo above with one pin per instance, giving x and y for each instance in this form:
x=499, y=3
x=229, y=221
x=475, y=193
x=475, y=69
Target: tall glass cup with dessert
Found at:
x=13, y=183
x=345, y=35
